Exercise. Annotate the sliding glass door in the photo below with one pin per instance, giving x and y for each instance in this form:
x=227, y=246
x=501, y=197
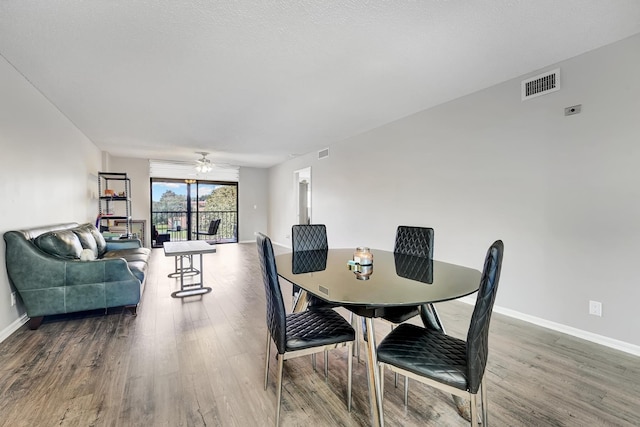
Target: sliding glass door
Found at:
x=185, y=209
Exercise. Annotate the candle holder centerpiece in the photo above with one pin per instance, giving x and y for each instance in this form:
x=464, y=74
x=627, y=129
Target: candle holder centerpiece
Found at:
x=362, y=263
x=363, y=256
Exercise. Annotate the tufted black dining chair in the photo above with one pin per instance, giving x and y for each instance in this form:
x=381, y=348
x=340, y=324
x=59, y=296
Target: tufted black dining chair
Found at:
x=298, y=334
x=416, y=242
x=309, y=237
x=439, y=360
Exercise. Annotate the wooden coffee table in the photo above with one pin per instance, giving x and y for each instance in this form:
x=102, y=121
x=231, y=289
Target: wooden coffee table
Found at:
x=180, y=250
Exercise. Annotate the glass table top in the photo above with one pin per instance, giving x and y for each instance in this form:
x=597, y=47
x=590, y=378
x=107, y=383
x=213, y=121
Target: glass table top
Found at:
x=392, y=280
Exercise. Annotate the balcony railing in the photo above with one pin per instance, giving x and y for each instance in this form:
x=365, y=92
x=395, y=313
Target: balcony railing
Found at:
x=175, y=226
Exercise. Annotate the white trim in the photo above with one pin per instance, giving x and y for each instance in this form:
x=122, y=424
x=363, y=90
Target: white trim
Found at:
x=6, y=332
x=559, y=327
x=281, y=245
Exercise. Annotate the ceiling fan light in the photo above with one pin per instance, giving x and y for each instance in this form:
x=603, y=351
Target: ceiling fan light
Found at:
x=203, y=168
x=203, y=165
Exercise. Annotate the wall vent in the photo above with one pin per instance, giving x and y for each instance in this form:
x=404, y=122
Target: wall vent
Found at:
x=323, y=154
x=541, y=84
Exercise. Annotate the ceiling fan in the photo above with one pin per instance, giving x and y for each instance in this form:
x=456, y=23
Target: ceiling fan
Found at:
x=203, y=165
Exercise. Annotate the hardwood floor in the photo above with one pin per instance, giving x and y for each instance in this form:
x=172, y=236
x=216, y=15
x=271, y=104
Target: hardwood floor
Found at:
x=199, y=361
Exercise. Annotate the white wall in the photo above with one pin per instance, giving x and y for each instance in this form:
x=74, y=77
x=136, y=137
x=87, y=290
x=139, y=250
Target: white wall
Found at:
x=253, y=203
x=562, y=192
x=48, y=171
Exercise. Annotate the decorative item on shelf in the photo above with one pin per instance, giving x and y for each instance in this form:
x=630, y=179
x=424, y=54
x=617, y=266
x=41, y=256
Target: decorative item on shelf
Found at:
x=109, y=193
x=363, y=256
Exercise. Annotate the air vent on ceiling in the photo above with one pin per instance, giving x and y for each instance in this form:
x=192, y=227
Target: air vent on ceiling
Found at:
x=323, y=154
x=541, y=84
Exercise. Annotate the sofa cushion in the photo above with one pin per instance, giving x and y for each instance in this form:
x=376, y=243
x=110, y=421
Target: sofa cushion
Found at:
x=86, y=238
x=132, y=254
x=100, y=242
x=136, y=259
x=60, y=243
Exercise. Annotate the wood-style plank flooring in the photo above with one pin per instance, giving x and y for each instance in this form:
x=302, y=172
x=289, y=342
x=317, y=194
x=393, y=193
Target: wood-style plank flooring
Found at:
x=199, y=362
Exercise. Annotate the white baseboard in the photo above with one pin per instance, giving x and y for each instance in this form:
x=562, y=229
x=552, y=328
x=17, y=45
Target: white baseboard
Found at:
x=578, y=333
x=6, y=332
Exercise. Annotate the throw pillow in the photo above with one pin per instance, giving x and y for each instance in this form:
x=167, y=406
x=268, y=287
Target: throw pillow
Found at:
x=87, y=255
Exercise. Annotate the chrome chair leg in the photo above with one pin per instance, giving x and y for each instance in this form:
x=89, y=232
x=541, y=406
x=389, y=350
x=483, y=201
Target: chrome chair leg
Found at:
x=358, y=350
x=266, y=362
x=349, y=380
x=406, y=391
x=381, y=380
x=395, y=374
x=279, y=398
x=483, y=402
x=474, y=410
x=353, y=320
x=326, y=364
x=358, y=334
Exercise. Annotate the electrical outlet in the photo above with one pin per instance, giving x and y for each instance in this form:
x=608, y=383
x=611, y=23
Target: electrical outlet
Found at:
x=595, y=308
x=13, y=299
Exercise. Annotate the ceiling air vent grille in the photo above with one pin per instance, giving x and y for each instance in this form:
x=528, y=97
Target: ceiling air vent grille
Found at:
x=323, y=154
x=541, y=84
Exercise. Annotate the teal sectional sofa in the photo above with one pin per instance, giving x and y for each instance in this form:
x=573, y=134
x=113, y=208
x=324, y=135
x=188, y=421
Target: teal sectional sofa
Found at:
x=44, y=266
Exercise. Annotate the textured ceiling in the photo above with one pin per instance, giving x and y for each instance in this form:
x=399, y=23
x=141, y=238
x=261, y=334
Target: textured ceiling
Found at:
x=254, y=82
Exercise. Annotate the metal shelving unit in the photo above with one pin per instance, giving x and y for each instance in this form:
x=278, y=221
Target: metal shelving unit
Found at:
x=114, y=189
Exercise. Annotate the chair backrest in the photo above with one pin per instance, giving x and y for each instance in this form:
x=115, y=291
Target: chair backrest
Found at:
x=309, y=261
x=416, y=241
x=213, y=227
x=276, y=315
x=414, y=267
x=309, y=237
x=478, y=334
